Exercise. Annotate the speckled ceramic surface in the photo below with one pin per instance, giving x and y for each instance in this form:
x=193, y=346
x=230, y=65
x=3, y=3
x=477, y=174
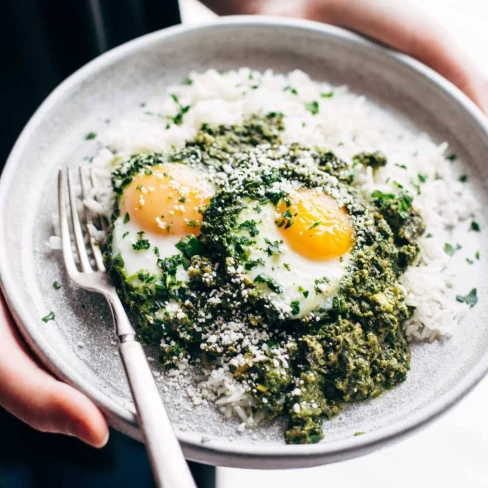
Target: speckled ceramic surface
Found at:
x=80, y=347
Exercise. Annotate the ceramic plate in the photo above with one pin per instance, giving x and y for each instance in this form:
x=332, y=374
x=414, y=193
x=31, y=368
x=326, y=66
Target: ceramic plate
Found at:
x=79, y=346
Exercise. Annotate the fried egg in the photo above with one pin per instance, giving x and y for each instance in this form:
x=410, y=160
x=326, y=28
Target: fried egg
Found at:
x=299, y=249
x=156, y=210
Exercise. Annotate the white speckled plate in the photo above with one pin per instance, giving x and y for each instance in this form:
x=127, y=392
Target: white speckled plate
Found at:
x=441, y=372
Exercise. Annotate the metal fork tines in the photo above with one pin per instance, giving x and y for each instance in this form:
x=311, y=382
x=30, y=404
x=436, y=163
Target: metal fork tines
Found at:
x=88, y=271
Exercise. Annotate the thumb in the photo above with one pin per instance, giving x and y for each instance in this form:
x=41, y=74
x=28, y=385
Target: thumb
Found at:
x=35, y=397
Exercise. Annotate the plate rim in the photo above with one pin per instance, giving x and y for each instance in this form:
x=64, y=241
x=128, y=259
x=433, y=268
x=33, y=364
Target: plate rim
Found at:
x=218, y=452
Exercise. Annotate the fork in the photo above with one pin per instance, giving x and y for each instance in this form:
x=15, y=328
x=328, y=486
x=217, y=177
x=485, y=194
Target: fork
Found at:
x=168, y=463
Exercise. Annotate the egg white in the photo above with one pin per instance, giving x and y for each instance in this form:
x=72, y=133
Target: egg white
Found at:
x=295, y=274
x=124, y=235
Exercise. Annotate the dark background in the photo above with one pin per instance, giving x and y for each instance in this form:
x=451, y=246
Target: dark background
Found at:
x=41, y=43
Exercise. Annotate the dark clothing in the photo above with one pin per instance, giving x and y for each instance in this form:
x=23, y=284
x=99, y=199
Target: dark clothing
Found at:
x=44, y=41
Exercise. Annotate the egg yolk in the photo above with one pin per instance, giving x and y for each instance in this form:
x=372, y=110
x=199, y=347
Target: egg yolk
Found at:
x=168, y=199
x=315, y=225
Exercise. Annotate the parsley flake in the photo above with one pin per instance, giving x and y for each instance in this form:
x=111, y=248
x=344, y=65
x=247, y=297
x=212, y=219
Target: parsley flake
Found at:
x=449, y=249
x=470, y=299
x=312, y=107
x=475, y=226
x=315, y=224
x=295, y=307
x=141, y=244
x=271, y=284
x=48, y=317
x=56, y=285
x=292, y=90
x=90, y=135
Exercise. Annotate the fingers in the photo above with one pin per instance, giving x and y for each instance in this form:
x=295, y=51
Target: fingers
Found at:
x=401, y=25
x=35, y=397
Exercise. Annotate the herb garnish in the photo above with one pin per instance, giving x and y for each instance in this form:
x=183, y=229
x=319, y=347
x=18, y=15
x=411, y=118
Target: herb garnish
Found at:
x=475, y=226
x=48, y=317
x=90, y=135
x=272, y=285
x=273, y=247
x=315, y=224
x=251, y=227
x=327, y=94
x=463, y=178
x=56, y=285
x=312, y=107
x=449, y=249
x=141, y=244
x=295, y=307
x=189, y=246
x=292, y=90
x=252, y=264
x=126, y=218
x=470, y=299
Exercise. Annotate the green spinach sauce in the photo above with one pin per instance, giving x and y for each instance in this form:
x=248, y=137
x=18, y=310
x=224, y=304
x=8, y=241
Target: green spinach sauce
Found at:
x=308, y=368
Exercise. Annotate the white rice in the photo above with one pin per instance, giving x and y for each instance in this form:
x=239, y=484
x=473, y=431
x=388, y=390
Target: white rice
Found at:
x=347, y=124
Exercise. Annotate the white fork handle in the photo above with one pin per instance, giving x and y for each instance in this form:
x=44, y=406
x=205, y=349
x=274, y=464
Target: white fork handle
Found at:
x=168, y=463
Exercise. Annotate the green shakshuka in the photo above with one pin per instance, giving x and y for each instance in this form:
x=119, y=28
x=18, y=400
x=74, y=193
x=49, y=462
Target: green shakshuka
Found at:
x=263, y=258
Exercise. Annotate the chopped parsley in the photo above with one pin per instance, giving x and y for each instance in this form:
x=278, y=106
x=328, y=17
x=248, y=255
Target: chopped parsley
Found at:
x=327, y=94
x=469, y=261
x=401, y=166
x=475, y=226
x=358, y=433
x=272, y=285
x=295, y=307
x=56, y=285
x=286, y=266
x=477, y=255
x=48, y=317
x=253, y=263
x=463, y=178
x=312, y=107
x=422, y=178
x=304, y=292
x=318, y=283
x=292, y=90
x=273, y=247
x=90, y=135
x=187, y=81
x=470, y=299
x=141, y=244
x=251, y=227
x=315, y=224
x=182, y=110
x=452, y=157
x=126, y=218
x=193, y=223
x=450, y=250
x=190, y=246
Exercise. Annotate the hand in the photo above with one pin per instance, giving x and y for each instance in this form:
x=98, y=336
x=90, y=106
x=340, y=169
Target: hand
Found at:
x=399, y=24
x=37, y=398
